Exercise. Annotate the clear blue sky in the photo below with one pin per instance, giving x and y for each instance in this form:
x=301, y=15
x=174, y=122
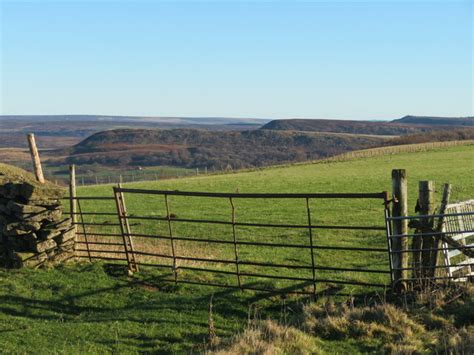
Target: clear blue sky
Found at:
x=345, y=59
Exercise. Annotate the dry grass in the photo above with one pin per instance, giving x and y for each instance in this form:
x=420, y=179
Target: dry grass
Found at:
x=438, y=322
x=268, y=337
x=383, y=322
x=146, y=245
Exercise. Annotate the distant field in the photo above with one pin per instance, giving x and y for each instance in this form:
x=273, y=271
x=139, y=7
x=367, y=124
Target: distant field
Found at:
x=95, y=309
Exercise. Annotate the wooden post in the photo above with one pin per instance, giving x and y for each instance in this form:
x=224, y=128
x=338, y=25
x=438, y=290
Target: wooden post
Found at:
x=400, y=227
x=72, y=194
x=426, y=206
x=439, y=227
x=35, y=158
x=73, y=201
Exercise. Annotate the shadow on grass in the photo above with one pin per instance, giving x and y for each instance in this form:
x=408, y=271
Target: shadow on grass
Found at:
x=181, y=311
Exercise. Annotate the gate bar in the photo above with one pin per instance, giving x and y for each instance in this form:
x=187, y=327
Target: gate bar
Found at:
x=254, y=195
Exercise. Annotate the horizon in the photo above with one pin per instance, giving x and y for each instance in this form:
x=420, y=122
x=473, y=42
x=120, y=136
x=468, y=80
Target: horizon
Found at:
x=372, y=61
x=226, y=117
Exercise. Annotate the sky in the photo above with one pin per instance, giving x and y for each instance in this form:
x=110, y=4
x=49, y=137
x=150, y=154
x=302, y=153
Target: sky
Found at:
x=268, y=59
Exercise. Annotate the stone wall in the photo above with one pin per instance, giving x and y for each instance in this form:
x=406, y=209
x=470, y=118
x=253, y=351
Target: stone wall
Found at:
x=33, y=230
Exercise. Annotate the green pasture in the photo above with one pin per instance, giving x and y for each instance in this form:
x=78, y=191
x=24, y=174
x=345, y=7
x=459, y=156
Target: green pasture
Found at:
x=453, y=165
x=96, y=308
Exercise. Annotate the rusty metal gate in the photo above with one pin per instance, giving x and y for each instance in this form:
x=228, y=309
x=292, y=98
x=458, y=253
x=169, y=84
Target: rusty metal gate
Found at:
x=297, y=258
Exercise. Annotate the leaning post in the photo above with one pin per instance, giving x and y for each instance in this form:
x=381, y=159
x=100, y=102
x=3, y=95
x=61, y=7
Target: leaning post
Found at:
x=400, y=228
x=439, y=228
x=35, y=158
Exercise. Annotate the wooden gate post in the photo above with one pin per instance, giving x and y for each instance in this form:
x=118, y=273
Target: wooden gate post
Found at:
x=72, y=195
x=400, y=227
x=35, y=158
x=426, y=206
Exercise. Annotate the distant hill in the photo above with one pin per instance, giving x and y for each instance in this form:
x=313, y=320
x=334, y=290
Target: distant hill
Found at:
x=201, y=148
x=428, y=120
x=403, y=126
x=346, y=126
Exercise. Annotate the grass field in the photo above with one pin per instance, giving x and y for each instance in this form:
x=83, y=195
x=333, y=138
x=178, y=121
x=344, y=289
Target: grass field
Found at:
x=95, y=308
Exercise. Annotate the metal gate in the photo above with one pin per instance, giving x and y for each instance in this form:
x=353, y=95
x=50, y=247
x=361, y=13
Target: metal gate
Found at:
x=279, y=242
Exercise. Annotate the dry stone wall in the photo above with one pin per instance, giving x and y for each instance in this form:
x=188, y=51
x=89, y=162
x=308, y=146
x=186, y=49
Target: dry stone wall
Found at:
x=33, y=230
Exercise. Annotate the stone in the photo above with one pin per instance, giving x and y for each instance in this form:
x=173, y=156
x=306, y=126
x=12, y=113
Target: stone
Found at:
x=44, y=233
x=55, y=215
x=51, y=253
x=21, y=243
x=34, y=191
x=22, y=209
x=66, y=236
x=50, y=204
x=67, y=244
x=39, y=217
x=41, y=247
x=62, y=257
x=20, y=228
x=62, y=225
x=28, y=259
x=32, y=227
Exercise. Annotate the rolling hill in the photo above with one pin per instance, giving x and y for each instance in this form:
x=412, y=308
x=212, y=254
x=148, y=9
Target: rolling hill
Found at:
x=219, y=150
x=59, y=131
x=433, y=120
x=404, y=126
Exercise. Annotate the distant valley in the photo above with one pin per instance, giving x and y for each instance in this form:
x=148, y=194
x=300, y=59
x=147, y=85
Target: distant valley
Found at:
x=98, y=144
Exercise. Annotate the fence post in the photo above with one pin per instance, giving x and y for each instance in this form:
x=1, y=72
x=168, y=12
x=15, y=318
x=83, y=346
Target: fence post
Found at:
x=439, y=227
x=426, y=206
x=72, y=194
x=35, y=158
x=400, y=227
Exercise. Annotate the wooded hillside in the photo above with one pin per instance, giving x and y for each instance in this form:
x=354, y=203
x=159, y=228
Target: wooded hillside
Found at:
x=219, y=150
